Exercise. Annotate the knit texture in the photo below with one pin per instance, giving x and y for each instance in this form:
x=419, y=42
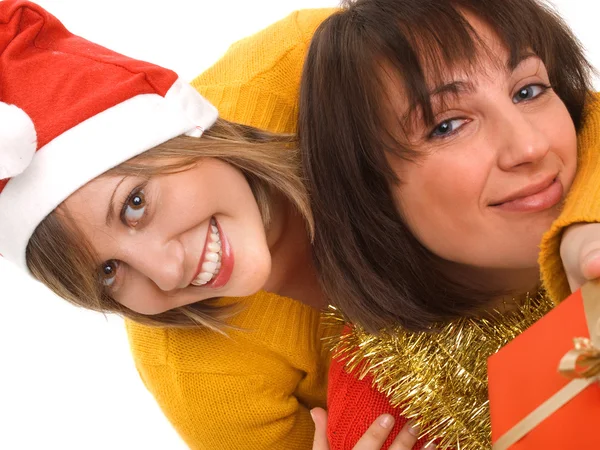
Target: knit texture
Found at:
x=582, y=203
x=254, y=388
x=257, y=82
x=354, y=405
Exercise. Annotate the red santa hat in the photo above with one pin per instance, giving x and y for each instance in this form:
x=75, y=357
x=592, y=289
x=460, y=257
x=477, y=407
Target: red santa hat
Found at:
x=69, y=111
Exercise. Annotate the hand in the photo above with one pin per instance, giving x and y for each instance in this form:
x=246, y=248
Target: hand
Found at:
x=580, y=253
x=373, y=438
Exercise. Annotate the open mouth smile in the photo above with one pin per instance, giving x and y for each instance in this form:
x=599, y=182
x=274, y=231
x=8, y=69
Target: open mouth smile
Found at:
x=216, y=263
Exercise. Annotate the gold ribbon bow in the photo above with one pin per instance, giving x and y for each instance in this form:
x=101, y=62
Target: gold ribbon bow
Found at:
x=582, y=364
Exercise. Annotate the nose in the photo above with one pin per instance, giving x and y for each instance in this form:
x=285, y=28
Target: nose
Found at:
x=161, y=262
x=523, y=142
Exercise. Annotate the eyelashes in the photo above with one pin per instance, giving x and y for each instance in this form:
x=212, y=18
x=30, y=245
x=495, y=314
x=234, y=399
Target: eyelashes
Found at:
x=450, y=126
x=134, y=207
x=133, y=210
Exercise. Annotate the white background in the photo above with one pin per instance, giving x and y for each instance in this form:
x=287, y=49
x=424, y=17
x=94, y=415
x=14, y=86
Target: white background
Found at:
x=66, y=378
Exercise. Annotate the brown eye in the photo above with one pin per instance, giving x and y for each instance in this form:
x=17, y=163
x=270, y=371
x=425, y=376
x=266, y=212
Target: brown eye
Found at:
x=108, y=272
x=138, y=200
x=134, y=208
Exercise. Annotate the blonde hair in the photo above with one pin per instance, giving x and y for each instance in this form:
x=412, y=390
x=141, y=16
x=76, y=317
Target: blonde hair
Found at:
x=59, y=256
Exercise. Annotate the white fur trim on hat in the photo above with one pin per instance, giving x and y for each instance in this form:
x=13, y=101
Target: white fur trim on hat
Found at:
x=18, y=140
x=88, y=150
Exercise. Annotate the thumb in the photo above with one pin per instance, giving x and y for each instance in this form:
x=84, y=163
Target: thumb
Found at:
x=590, y=265
x=319, y=416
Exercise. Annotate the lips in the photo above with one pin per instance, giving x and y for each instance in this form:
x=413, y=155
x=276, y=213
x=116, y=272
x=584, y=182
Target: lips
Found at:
x=535, y=197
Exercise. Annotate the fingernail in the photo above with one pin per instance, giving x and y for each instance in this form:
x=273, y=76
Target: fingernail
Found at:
x=312, y=415
x=386, y=421
x=413, y=428
x=430, y=447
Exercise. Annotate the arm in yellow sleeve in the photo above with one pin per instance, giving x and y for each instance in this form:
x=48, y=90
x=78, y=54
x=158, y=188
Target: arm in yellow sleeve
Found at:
x=257, y=82
x=250, y=389
x=582, y=203
x=229, y=411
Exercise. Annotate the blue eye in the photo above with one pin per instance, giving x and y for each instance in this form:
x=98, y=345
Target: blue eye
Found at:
x=134, y=208
x=108, y=272
x=446, y=128
x=529, y=92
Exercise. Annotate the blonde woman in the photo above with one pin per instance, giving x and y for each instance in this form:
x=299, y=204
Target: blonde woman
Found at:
x=158, y=237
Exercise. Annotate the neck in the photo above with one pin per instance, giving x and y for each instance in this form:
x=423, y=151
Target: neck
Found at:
x=512, y=285
x=292, y=270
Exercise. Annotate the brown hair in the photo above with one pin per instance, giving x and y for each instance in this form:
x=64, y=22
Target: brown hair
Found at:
x=371, y=266
x=58, y=255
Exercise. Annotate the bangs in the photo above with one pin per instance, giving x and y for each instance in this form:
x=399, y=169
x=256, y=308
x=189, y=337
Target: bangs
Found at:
x=401, y=45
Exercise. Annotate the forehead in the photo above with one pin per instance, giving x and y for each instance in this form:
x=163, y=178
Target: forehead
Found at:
x=446, y=71
x=88, y=206
x=488, y=53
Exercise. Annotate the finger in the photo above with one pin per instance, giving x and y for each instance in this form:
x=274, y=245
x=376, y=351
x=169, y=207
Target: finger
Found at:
x=407, y=437
x=591, y=264
x=319, y=417
x=580, y=253
x=376, y=434
x=574, y=279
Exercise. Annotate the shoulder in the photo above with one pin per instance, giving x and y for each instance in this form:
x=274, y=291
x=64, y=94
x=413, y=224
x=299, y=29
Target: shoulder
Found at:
x=269, y=330
x=257, y=81
x=265, y=49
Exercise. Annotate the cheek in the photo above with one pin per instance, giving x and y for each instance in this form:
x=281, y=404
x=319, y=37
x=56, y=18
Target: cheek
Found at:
x=441, y=191
x=441, y=200
x=142, y=296
x=564, y=141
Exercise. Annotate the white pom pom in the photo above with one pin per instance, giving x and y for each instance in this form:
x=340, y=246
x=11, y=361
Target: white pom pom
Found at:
x=18, y=140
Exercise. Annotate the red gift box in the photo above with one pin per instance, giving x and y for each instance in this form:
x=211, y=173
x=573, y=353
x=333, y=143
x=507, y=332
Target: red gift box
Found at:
x=531, y=398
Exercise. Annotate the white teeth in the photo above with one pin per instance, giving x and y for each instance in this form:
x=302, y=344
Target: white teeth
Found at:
x=209, y=267
x=205, y=276
x=212, y=258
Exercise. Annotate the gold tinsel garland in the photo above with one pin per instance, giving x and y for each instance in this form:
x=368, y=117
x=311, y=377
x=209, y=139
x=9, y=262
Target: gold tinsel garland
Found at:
x=439, y=379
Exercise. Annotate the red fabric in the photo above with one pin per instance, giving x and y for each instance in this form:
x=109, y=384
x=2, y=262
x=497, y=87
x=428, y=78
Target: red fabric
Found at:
x=353, y=405
x=60, y=79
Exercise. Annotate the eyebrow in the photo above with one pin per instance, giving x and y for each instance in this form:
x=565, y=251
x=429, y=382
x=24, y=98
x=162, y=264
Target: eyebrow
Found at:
x=459, y=87
x=111, y=203
x=453, y=87
x=519, y=59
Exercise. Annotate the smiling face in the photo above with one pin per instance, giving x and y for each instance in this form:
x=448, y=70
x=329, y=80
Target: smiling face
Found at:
x=176, y=238
x=429, y=219
x=494, y=166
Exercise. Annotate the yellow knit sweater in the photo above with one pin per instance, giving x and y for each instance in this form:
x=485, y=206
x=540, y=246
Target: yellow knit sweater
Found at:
x=253, y=389
x=582, y=203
